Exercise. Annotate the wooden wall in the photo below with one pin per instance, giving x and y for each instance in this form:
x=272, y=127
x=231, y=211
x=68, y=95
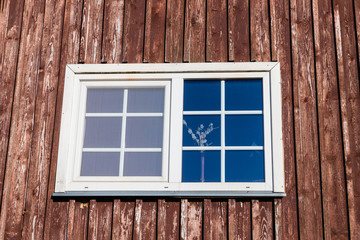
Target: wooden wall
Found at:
x=317, y=43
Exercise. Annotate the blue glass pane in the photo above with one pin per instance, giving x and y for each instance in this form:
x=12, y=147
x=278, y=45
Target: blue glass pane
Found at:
x=102, y=132
x=100, y=164
x=244, y=130
x=201, y=130
x=192, y=166
x=202, y=95
x=243, y=94
x=244, y=166
x=145, y=100
x=102, y=100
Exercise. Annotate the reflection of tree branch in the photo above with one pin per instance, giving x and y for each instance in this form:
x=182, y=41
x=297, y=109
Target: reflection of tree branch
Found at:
x=201, y=133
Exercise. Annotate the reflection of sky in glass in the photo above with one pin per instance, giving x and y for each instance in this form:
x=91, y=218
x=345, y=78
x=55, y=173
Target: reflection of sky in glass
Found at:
x=104, y=100
x=100, y=164
x=244, y=130
x=244, y=166
x=144, y=132
x=142, y=164
x=202, y=95
x=194, y=122
x=145, y=100
x=191, y=166
x=102, y=132
x=243, y=94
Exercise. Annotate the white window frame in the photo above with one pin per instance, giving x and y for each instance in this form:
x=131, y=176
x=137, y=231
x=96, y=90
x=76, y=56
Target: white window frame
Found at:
x=172, y=76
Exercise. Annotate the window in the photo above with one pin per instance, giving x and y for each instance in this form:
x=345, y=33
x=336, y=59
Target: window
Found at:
x=205, y=129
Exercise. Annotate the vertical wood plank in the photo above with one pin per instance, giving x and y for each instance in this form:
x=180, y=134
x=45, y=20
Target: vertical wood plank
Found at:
x=22, y=121
x=216, y=34
x=348, y=77
x=194, y=220
x=174, y=31
x=4, y=16
x=306, y=133
x=239, y=221
x=331, y=154
x=285, y=209
x=145, y=220
x=168, y=219
x=134, y=31
x=8, y=75
x=238, y=30
x=259, y=30
x=113, y=31
x=100, y=219
x=262, y=226
x=56, y=217
x=215, y=219
x=77, y=220
x=184, y=219
x=155, y=31
x=91, y=31
x=33, y=225
x=357, y=25
x=194, y=39
x=123, y=220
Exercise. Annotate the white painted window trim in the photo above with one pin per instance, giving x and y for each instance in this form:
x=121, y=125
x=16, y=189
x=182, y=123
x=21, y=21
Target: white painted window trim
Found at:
x=78, y=77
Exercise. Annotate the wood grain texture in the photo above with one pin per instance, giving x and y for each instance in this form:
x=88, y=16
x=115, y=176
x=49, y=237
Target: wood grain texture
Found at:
x=91, y=31
x=11, y=43
x=239, y=221
x=194, y=36
x=134, y=31
x=37, y=182
x=77, y=221
x=216, y=32
x=215, y=219
x=4, y=16
x=22, y=121
x=331, y=154
x=145, y=220
x=348, y=75
x=191, y=220
x=154, y=46
x=262, y=225
x=306, y=132
x=123, y=219
x=168, y=219
x=285, y=209
x=174, y=42
x=113, y=31
x=100, y=219
x=259, y=31
x=56, y=217
x=238, y=30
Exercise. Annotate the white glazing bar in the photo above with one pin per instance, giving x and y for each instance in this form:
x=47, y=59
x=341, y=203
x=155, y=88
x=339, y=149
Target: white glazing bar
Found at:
x=124, y=114
x=122, y=149
x=249, y=112
x=222, y=130
x=212, y=148
x=123, y=133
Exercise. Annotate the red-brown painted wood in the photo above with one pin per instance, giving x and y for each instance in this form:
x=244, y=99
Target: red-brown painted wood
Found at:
x=77, y=220
x=123, y=219
x=215, y=219
x=191, y=222
x=168, y=214
x=100, y=220
x=239, y=221
x=306, y=131
x=262, y=225
x=22, y=121
x=348, y=77
x=145, y=220
x=113, y=31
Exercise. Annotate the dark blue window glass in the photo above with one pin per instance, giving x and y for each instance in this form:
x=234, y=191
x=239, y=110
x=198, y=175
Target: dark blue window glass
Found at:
x=202, y=95
x=192, y=166
x=244, y=130
x=244, y=166
x=195, y=125
x=243, y=94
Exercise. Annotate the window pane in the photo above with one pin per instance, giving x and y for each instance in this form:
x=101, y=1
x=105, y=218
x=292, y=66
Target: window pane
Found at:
x=100, y=164
x=142, y=164
x=244, y=130
x=196, y=164
x=104, y=100
x=200, y=130
x=243, y=94
x=102, y=132
x=244, y=166
x=144, y=132
x=201, y=95
x=146, y=100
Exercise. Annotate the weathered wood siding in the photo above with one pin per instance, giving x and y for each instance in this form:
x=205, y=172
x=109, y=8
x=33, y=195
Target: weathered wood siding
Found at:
x=317, y=43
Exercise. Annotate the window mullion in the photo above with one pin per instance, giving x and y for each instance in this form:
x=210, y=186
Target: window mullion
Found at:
x=123, y=134
x=222, y=130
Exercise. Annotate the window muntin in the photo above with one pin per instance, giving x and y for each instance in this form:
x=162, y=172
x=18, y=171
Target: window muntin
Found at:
x=171, y=180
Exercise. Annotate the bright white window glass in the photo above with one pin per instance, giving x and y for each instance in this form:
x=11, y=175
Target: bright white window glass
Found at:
x=143, y=164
